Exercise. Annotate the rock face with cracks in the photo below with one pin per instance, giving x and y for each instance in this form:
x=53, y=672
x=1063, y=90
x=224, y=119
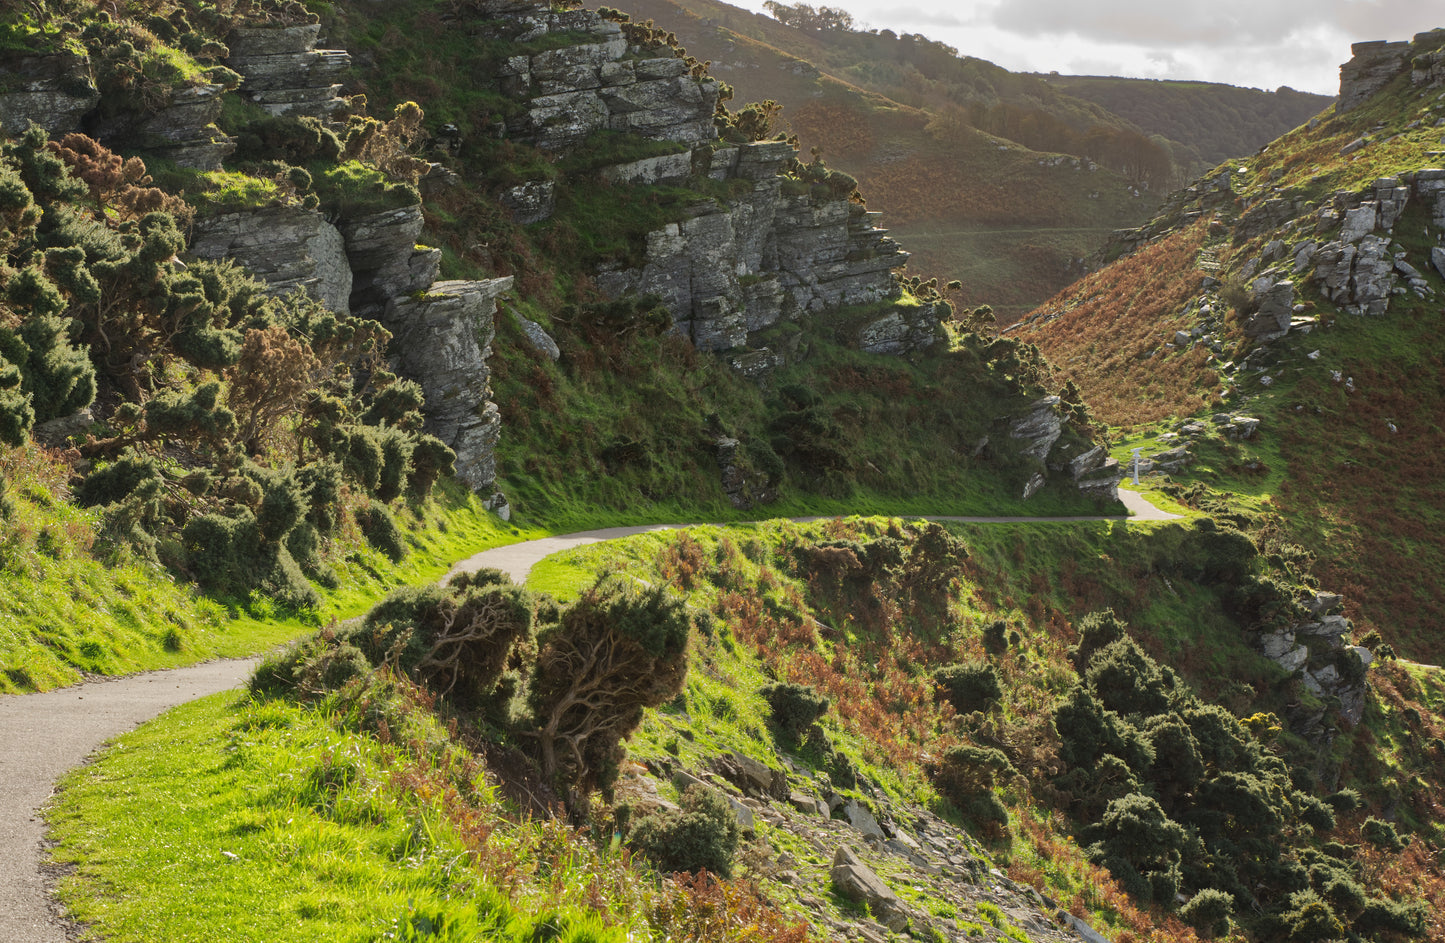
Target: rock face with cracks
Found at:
x=444, y=337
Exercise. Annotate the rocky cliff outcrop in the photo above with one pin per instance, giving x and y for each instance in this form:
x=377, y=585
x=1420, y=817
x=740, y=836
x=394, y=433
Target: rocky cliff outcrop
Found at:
x=775, y=252
x=287, y=247
x=1371, y=67
x=598, y=82
x=54, y=91
x=443, y=339
x=386, y=261
x=285, y=73
x=1332, y=672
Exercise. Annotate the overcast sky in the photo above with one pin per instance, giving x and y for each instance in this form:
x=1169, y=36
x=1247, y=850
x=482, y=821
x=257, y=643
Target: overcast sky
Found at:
x=1257, y=43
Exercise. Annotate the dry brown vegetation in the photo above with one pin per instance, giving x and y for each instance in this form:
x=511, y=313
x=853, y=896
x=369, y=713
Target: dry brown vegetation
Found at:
x=1114, y=324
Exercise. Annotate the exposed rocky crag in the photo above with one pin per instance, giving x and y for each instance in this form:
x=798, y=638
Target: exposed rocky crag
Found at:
x=768, y=256
x=777, y=251
x=1343, y=247
x=597, y=83
x=54, y=91
x=287, y=247
x=285, y=73
x=443, y=339
x=1332, y=671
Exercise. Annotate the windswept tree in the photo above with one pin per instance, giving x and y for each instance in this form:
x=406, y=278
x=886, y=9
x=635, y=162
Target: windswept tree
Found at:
x=617, y=651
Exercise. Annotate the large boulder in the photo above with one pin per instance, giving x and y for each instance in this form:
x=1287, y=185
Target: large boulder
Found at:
x=856, y=881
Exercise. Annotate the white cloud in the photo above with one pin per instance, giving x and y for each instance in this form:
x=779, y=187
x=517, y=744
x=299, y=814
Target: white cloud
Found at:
x=1252, y=43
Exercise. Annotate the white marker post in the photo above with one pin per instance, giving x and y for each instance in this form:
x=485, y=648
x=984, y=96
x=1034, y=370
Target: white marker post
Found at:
x=1136, y=462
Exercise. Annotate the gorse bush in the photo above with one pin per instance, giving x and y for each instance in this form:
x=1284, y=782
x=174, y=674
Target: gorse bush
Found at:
x=615, y=651
x=702, y=835
x=1208, y=912
x=795, y=707
x=1178, y=795
x=969, y=687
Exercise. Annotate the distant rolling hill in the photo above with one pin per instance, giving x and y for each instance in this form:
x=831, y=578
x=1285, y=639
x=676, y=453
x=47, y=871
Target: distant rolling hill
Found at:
x=1213, y=122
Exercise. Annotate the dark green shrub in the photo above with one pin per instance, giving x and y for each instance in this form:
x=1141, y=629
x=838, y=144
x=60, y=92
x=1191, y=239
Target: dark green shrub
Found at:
x=1208, y=912
x=995, y=637
x=1141, y=846
x=965, y=774
x=59, y=377
x=1096, y=630
x=295, y=140
x=380, y=530
x=1309, y=918
x=1345, y=801
x=1126, y=680
x=1314, y=812
x=1392, y=916
x=321, y=482
x=795, y=707
x=16, y=416
x=1088, y=730
x=1381, y=834
x=969, y=688
x=304, y=544
x=196, y=417
x=396, y=449
x=431, y=458
x=702, y=836
x=1177, y=765
x=223, y=553
x=283, y=501
x=115, y=482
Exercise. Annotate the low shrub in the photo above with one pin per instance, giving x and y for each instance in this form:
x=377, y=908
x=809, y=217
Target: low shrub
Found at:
x=380, y=530
x=703, y=835
x=969, y=688
x=1208, y=912
x=795, y=707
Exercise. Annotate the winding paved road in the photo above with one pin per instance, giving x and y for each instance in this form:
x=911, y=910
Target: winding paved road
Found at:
x=43, y=735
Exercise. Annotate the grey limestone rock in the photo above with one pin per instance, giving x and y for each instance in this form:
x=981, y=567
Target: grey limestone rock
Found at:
x=1040, y=427
x=285, y=73
x=1371, y=67
x=1276, y=307
x=861, y=819
x=54, y=91
x=287, y=247
x=530, y=202
x=385, y=260
x=444, y=337
x=856, y=881
x=537, y=338
x=900, y=330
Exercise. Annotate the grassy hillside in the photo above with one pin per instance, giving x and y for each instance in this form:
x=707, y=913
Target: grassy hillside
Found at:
x=1335, y=477
x=862, y=620
x=1213, y=122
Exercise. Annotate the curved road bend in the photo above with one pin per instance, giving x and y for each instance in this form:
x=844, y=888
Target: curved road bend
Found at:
x=44, y=735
